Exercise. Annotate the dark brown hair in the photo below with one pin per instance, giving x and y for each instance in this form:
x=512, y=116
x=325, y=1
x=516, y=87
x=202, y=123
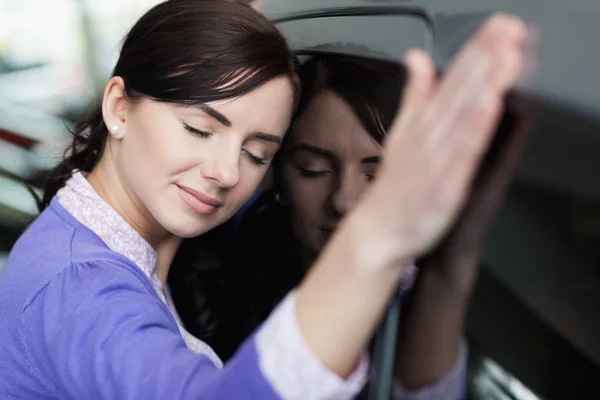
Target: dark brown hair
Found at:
x=372, y=88
x=187, y=52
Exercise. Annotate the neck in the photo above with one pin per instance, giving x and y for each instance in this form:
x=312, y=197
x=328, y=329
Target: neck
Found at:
x=106, y=181
x=164, y=257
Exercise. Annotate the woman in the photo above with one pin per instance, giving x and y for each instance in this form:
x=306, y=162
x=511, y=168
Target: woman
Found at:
x=200, y=98
x=345, y=101
x=328, y=160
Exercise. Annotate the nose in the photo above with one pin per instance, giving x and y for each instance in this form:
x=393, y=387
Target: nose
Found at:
x=223, y=167
x=346, y=194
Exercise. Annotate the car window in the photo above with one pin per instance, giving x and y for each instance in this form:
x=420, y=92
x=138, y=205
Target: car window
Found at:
x=345, y=34
x=532, y=326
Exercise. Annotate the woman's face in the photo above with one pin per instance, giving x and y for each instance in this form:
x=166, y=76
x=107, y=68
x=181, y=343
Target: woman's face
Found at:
x=327, y=166
x=190, y=169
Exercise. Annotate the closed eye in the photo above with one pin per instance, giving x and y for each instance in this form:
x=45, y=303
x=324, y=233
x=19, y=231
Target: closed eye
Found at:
x=369, y=177
x=195, y=131
x=255, y=159
x=307, y=173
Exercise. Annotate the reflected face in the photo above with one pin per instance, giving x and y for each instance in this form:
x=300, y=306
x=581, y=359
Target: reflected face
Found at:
x=191, y=168
x=328, y=164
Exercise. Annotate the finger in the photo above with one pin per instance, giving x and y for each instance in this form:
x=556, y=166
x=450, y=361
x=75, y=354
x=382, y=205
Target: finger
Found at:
x=495, y=176
x=500, y=30
x=466, y=126
x=419, y=86
x=476, y=122
x=457, y=165
x=450, y=175
x=491, y=60
x=490, y=185
x=465, y=241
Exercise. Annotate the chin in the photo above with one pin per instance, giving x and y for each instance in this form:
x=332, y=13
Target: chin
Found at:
x=317, y=246
x=186, y=227
x=188, y=233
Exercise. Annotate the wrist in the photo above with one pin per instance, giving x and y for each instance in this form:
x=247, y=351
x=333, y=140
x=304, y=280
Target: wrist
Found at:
x=367, y=244
x=368, y=236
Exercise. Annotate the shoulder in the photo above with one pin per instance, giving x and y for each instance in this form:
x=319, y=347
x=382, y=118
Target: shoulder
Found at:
x=89, y=315
x=85, y=292
x=58, y=264
x=89, y=283
x=56, y=247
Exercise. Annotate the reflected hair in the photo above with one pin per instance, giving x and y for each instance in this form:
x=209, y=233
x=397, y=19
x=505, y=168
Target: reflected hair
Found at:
x=186, y=52
x=372, y=88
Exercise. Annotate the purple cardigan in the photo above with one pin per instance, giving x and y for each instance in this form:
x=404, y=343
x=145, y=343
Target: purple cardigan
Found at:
x=81, y=320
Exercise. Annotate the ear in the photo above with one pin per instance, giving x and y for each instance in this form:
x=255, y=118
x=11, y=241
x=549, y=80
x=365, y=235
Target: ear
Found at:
x=114, y=107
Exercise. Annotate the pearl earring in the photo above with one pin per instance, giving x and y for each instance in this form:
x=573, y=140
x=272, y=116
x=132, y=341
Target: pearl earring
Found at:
x=115, y=129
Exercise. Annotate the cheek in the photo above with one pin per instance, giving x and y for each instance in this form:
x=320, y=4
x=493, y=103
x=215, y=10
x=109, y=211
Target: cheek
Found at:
x=306, y=198
x=160, y=151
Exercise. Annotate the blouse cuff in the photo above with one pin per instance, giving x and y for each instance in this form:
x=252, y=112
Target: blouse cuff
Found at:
x=449, y=387
x=293, y=369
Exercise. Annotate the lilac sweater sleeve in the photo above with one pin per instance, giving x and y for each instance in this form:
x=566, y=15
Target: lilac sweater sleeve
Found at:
x=100, y=332
x=452, y=386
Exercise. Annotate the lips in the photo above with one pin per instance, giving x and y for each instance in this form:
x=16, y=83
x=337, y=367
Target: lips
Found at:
x=329, y=227
x=198, y=201
x=328, y=230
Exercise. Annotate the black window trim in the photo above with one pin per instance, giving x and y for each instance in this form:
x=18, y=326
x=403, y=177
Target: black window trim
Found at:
x=365, y=11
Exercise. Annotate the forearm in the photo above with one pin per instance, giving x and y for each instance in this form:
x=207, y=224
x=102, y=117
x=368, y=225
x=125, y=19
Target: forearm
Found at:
x=432, y=328
x=344, y=296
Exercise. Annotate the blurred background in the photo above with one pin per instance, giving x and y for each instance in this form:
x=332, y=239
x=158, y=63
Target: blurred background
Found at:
x=55, y=57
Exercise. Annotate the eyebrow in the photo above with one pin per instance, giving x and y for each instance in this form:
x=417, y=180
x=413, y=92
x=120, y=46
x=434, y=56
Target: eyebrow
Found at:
x=215, y=114
x=370, y=160
x=314, y=150
x=329, y=154
x=266, y=137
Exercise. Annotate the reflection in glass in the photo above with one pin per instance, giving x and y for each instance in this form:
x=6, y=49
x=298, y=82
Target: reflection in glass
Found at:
x=533, y=311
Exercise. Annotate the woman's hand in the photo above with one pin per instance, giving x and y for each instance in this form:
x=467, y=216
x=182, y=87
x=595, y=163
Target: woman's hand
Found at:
x=430, y=158
x=437, y=142
x=456, y=259
x=432, y=326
